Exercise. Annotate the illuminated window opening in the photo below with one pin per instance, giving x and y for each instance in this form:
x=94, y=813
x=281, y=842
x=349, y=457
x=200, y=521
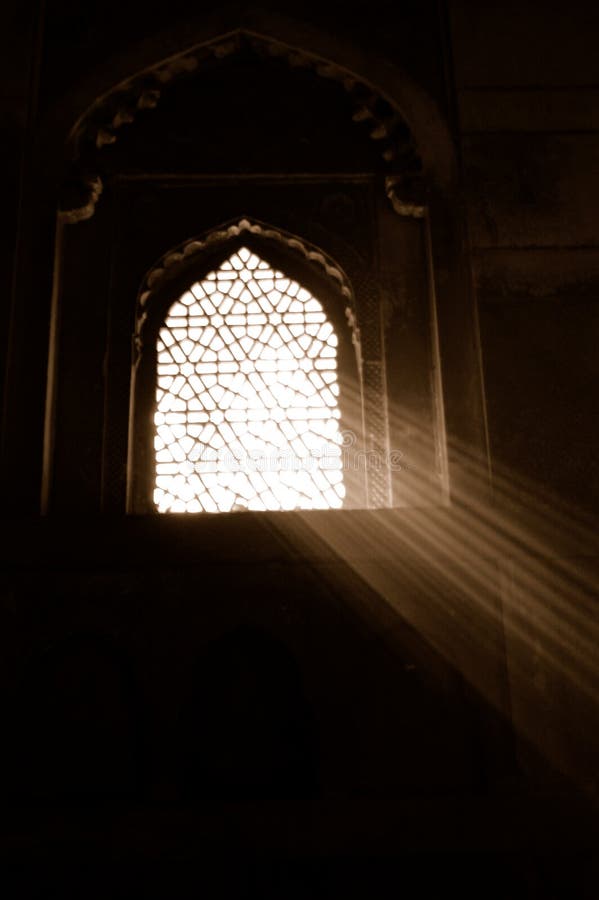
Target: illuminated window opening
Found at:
x=247, y=412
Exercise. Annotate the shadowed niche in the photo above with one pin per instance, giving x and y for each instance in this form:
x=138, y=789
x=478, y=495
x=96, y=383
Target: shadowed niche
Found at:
x=79, y=730
x=247, y=731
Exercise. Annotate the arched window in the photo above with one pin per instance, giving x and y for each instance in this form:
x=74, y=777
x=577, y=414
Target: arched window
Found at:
x=246, y=378
x=246, y=395
x=335, y=189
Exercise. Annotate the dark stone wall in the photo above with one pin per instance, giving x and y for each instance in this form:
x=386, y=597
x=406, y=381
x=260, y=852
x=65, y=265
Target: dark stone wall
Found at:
x=527, y=84
x=439, y=666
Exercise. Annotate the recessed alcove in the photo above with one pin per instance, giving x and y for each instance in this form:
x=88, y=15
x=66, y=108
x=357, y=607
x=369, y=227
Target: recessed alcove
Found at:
x=290, y=148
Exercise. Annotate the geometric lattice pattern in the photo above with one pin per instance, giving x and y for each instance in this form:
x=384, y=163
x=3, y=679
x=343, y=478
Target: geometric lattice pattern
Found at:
x=246, y=399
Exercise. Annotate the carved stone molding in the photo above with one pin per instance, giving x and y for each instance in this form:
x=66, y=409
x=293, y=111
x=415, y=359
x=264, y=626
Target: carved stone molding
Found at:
x=407, y=194
x=80, y=194
x=100, y=125
x=352, y=321
x=176, y=259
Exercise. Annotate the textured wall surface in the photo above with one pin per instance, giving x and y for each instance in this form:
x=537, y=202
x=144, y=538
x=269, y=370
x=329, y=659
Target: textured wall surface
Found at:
x=327, y=705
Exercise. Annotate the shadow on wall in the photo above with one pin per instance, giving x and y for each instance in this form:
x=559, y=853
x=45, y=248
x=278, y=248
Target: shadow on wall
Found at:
x=79, y=726
x=246, y=731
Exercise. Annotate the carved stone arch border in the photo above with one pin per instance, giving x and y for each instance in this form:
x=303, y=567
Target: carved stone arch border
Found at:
x=179, y=258
x=180, y=267
x=166, y=55
x=101, y=124
x=186, y=251
x=378, y=101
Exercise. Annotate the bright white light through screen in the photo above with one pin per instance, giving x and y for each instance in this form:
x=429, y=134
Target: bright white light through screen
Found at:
x=246, y=398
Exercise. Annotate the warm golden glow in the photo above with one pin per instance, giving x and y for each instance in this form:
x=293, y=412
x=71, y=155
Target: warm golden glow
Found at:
x=246, y=401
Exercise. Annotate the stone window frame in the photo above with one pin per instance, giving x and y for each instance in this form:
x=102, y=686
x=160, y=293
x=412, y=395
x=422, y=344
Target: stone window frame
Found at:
x=432, y=191
x=180, y=268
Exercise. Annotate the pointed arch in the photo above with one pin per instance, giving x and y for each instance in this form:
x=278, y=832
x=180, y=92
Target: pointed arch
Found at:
x=170, y=312
x=246, y=395
x=178, y=259
x=404, y=119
